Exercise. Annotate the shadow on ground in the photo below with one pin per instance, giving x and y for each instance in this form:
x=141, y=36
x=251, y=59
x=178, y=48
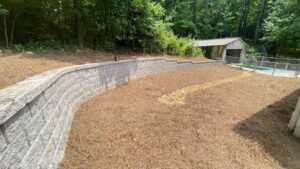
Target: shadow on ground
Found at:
x=268, y=127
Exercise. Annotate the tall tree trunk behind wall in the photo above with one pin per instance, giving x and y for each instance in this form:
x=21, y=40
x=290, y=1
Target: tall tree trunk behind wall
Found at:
x=5, y=32
x=12, y=34
x=206, y=10
x=240, y=20
x=195, y=11
x=78, y=21
x=242, y=17
x=260, y=19
x=245, y=20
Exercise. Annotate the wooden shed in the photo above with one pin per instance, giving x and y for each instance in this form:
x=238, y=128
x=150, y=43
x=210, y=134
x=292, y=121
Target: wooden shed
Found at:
x=226, y=49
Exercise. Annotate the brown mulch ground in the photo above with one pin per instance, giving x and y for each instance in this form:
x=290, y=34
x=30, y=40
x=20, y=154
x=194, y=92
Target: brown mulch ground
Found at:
x=242, y=124
x=19, y=66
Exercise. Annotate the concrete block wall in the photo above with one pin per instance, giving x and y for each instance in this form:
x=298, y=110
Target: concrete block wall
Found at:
x=36, y=114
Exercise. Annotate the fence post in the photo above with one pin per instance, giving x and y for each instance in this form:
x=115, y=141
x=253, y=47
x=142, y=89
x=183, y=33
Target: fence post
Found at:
x=274, y=68
x=297, y=71
x=286, y=66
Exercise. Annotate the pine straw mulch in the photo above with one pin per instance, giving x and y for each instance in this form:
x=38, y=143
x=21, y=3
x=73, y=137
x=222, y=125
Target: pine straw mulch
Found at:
x=16, y=67
x=241, y=124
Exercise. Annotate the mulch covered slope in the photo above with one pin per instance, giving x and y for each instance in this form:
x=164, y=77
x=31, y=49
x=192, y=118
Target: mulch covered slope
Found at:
x=16, y=67
x=242, y=124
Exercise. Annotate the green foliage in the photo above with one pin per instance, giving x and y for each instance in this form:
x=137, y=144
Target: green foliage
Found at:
x=283, y=23
x=182, y=46
x=18, y=47
x=251, y=50
x=193, y=51
x=288, y=53
x=34, y=46
x=70, y=48
x=50, y=44
x=3, y=11
x=152, y=26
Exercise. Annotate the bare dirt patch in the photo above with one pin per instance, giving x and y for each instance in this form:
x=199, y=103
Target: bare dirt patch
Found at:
x=234, y=125
x=19, y=66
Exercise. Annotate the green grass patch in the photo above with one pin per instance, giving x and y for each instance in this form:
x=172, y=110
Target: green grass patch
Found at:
x=253, y=67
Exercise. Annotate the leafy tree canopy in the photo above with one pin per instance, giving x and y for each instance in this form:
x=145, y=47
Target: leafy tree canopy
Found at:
x=147, y=25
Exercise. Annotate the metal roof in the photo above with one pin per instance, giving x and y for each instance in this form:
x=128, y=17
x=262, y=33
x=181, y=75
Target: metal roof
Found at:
x=216, y=42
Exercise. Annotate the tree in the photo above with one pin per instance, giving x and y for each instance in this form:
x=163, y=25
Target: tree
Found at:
x=259, y=20
x=283, y=24
x=78, y=21
x=14, y=9
x=147, y=25
x=4, y=13
x=243, y=17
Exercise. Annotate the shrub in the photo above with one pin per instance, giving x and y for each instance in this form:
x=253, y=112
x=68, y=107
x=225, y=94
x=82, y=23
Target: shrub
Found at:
x=70, y=48
x=107, y=45
x=183, y=47
x=52, y=44
x=34, y=46
x=252, y=53
x=193, y=51
x=18, y=47
x=173, y=47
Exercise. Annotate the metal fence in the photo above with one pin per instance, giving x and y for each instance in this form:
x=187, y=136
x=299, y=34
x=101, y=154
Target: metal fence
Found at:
x=291, y=66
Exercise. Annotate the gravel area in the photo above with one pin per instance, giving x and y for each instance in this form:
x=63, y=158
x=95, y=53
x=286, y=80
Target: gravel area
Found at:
x=238, y=124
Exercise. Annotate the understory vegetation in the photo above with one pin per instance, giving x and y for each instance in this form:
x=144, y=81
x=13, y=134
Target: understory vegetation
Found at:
x=149, y=26
x=246, y=65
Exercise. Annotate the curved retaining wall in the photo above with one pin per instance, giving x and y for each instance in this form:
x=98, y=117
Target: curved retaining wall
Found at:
x=36, y=114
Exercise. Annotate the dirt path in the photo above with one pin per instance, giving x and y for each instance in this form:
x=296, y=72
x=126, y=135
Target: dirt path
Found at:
x=241, y=124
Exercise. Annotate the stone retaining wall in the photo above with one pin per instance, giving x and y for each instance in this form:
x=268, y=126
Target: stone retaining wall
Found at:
x=36, y=114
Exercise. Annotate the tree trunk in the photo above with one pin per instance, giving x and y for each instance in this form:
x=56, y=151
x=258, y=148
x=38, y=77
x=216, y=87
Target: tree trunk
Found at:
x=5, y=32
x=13, y=25
x=245, y=19
x=277, y=50
x=240, y=20
x=78, y=21
x=242, y=17
x=260, y=19
x=12, y=34
x=195, y=11
x=206, y=11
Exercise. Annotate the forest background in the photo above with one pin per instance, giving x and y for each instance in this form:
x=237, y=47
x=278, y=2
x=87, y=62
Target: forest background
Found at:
x=149, y=26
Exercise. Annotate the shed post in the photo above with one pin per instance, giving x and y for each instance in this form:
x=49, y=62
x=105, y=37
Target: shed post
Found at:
x=242, y=57
x=224, y=54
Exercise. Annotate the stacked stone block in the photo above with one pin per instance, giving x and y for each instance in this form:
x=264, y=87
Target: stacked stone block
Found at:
x=36, y=114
